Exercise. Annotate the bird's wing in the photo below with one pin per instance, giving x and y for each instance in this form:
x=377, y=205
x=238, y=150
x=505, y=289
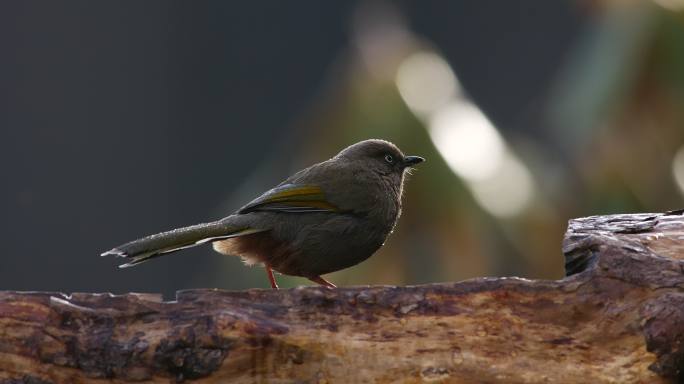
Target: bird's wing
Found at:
x=291, y=198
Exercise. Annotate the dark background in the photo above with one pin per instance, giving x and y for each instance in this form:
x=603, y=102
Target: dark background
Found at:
x=122, y=119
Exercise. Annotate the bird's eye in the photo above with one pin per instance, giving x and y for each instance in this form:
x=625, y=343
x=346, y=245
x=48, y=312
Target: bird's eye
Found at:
x=389, y=158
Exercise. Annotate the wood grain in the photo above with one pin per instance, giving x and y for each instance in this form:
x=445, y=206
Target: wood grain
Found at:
x=617, y=318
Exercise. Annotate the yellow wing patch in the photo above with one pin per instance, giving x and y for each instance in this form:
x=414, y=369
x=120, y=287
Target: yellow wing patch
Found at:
x=292, y=198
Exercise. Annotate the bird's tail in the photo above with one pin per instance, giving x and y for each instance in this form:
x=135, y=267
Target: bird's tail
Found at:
x=149, y=247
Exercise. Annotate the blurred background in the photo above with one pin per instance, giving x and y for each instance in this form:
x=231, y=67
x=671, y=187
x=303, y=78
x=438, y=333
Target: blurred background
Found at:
x=122, y=119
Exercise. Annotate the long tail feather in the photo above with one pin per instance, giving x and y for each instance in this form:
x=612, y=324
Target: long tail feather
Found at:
x=147, y=248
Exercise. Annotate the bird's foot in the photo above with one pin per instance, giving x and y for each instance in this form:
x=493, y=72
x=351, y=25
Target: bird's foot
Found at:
x=271, y=278
x=323, y=282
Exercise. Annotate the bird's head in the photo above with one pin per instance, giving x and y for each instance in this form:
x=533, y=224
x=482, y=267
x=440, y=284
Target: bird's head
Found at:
x=380, y=156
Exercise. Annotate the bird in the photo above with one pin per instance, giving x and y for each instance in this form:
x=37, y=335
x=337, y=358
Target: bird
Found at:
x=324, y=218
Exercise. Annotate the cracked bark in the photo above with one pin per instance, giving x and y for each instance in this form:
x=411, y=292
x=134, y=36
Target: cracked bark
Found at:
x=617, y=318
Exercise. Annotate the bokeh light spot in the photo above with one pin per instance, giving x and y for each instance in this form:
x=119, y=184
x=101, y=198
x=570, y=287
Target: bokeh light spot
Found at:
x=467, y=140
x=426, y=82
x=509, y=192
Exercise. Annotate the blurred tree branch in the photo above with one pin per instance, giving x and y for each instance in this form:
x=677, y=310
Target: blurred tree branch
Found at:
x=618, y=317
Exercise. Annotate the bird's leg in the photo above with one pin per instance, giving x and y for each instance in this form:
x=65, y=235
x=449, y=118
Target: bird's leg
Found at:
x=271, y=278
x=323, y=282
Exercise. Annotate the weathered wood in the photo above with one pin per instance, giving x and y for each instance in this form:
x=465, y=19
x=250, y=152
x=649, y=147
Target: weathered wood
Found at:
x=619, y=318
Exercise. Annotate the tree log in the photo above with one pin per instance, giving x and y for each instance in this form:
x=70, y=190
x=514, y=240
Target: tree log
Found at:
x=617, y=318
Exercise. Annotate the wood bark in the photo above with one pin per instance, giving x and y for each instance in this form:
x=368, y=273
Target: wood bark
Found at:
x=617, y=318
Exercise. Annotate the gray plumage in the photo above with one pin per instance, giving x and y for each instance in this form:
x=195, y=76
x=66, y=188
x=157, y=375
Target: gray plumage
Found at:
x=322, y=219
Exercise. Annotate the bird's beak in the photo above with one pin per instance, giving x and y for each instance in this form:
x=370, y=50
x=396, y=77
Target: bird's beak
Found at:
x=412, y=160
